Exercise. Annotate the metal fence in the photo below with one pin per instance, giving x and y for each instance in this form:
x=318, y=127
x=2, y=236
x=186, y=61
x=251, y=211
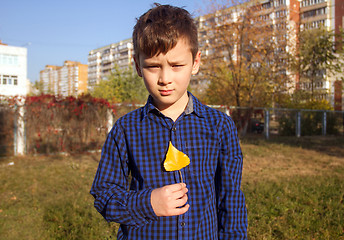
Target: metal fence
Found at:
x=54, y=130
x=286, y=122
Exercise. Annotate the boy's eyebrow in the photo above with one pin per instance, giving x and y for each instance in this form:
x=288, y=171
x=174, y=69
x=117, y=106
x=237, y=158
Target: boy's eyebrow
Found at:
x=171, y=62
x=177, y=62
x=150, y=62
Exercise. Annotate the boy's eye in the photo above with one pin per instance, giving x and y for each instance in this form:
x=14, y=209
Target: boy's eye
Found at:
x=152, y=66
x=178, y=65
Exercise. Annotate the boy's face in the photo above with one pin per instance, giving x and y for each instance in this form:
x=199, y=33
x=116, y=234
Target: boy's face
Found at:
x=167, y=76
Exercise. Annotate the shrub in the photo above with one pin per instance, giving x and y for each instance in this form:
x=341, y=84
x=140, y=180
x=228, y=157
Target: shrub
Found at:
x=68, y=124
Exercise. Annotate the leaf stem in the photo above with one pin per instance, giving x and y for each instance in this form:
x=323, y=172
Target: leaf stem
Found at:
x=181, y=176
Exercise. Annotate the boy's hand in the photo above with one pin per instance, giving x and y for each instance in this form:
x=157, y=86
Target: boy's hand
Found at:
x=168, y=200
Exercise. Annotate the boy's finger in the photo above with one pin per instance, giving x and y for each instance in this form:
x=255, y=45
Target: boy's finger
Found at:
x=182, y=210
x=181, y=193
x=177, y=187
x=181, y=201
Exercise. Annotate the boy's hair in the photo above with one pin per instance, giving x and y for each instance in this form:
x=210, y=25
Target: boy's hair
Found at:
x=159, y=29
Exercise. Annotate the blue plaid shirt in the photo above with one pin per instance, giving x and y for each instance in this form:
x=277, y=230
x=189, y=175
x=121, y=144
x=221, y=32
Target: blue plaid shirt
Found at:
x=137, y=144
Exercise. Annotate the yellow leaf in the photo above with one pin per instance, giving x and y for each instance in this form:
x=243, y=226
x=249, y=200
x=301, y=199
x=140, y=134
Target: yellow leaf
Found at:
x=175, y=159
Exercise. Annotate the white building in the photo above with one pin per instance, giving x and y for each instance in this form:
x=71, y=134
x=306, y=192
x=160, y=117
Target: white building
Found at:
x=102, y=61
x=67, y=80
x=13, y=70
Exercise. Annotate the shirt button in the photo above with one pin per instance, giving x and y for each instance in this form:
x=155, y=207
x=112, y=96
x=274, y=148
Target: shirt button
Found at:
x=174, y=129
x=182, y=224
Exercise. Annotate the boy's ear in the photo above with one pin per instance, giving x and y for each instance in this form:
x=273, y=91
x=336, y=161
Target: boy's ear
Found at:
x=196, y=63
x=137, y=66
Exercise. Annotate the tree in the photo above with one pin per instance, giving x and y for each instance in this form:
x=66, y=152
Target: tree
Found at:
x=37, y=88
x=316, y=58
x=245, y=58
x=121, y=86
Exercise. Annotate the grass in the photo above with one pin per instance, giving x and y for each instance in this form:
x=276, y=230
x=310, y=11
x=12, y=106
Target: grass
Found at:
x=47, y=198
x=293, y=188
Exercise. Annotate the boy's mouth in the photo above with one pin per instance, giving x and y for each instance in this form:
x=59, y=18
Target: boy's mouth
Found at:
x=165, y=92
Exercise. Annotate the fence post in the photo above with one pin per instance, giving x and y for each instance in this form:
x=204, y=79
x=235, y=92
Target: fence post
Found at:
x=109, y=117
x=324, y=123
x=298, y=124
x=267, y=123
x=19, y=130
x=227, y=111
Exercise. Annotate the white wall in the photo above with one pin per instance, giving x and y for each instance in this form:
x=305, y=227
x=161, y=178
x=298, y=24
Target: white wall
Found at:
x=13, y=62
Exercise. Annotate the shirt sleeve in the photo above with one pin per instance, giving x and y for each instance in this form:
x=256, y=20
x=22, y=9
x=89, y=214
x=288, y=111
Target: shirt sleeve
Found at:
x=110, y=186
x=232, y=213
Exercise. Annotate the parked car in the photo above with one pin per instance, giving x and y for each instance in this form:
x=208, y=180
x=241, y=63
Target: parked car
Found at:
x=257, y=126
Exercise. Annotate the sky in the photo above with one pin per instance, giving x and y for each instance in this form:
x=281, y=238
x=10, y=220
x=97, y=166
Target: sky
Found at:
x=55, y=31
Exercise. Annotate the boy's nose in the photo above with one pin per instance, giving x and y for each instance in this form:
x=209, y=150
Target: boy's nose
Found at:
x=164, y=77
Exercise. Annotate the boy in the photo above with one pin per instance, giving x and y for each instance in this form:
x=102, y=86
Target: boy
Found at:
x=155, y=204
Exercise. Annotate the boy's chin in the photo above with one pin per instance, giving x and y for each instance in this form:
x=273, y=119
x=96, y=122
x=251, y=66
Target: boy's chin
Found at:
x=163, y=102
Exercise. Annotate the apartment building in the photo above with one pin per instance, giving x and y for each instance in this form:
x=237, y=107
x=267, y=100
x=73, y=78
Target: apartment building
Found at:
x=102, y=61
x=67, y=80
x=13, y=70
x=288, y=17
x=328, y=13
x=50, y=78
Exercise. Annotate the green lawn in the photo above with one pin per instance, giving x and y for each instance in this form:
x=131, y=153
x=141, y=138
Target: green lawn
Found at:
x=294, y=189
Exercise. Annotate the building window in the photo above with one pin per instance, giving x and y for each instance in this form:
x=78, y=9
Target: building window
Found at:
x=7, y=59
x=306, y=3
x=315, y=24
x=4, y=79
x=279, y=3
x=266, y=5
x=315, y=12
x=15, y=80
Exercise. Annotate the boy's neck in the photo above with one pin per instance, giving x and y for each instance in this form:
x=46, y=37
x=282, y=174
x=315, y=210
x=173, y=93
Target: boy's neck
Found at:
x=175, y=110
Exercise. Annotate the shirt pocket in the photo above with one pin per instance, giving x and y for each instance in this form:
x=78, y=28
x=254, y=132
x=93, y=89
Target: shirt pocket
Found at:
x=203, y=159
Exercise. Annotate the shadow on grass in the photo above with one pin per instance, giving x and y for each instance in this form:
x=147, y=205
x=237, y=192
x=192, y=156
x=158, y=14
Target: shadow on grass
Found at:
x=330, y=145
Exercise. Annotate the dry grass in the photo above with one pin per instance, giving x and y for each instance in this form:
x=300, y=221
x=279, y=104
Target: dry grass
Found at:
x=293, y=187
x=291, y=157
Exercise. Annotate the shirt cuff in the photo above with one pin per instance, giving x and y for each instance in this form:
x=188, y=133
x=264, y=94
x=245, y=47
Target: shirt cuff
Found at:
x=140, y=207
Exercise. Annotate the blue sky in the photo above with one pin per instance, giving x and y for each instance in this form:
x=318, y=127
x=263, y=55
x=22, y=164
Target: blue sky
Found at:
x=55, y=31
